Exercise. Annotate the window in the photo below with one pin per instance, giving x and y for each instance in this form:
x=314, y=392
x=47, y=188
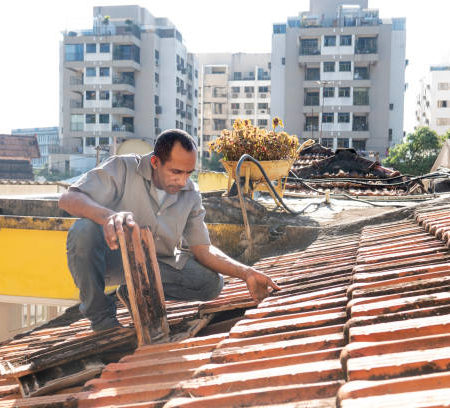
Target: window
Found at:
x=90, y=118
x=103, y=140
x=237, y=76
x=344, y=117
x=309, y=46
x=249, y=105
x=361, y=73
x=74, y=52
x=444, y=86
x=263, y=106
x=196, y=75
x=342, y=143
x=105, y=47
x=346, y=40
x=90, y=141
x=312, y=98
x=91, y=72
x=312, y=74
x=156, y=55
x=263, y=89
x=359, y=144
x=327, y=117
x=442, y=104
x=127, y=52
x=390, y=135
x=156, y=98
x=156, y=77
x=77, y=123
x=360, y=96
x=443, y=121
x=391, y=106
x=262, y=122
x=345, y=66
x=327, y=142
x=90, y=95
x=104, y=71
x=328, y=66
x=283, y=61
x=235, y=89
x=360, y=123
x=249, y=89
x=91, y=48
x=104, y=95
x=344, y=92
x=311, y=123
x=195, y=112
x=366, y=45
x=234, y=106
x=103, y=118
x=330, y=41
x=328, y=92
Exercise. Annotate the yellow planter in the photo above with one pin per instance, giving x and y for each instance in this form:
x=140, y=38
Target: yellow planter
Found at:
x=276, y=170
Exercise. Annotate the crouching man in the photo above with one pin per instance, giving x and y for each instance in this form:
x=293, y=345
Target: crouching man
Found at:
x=152, y=190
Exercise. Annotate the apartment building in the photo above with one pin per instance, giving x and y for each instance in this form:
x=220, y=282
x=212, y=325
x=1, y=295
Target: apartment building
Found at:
x=232, y=86
x=338, y=75
x=433, y=101
x=48, y=141
x=129, y=77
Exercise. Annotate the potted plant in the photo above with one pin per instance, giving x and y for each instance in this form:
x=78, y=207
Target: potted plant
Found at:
x=276, y=152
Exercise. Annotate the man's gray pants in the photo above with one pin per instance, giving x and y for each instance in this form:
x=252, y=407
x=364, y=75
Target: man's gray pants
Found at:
x=93, y=264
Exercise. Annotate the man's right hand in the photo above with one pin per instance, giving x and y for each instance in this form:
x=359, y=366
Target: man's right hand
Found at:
x=114, y=226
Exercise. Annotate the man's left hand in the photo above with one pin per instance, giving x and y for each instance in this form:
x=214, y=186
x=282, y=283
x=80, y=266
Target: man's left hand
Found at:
x=258, y=284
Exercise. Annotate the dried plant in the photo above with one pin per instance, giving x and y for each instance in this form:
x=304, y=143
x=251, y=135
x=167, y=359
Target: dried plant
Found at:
x=261, y=144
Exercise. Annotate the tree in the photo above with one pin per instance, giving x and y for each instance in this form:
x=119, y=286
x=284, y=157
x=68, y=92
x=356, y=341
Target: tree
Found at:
x=417, y=154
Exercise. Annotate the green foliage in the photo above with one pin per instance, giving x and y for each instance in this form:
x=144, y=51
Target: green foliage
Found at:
x=417, y=154
x=53, y=174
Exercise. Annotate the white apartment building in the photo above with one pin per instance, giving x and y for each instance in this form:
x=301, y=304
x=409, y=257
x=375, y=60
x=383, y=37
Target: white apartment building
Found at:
x=433, y=101
x=232, y=86
x=338, y=75
x=129, y=77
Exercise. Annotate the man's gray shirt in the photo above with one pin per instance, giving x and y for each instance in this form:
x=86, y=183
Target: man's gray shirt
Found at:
x=124, y=183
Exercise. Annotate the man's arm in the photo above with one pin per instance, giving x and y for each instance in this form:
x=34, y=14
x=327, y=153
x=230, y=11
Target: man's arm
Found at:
x=213, y=258
x=79, y=204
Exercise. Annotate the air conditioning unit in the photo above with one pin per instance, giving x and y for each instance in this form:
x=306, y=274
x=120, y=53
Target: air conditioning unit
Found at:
x=262, y=111
x=249, y=95
x=235, y=95
x=263, y=96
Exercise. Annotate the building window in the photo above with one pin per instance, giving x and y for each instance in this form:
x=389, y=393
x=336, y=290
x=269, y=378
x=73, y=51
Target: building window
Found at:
x=360, y=96
x=105, y=47
x=344, y=117
x=328, y=92
x=342, y=143
x=77, y=123
x=360, y=123
x=249, y=106
x=103, y=140
x=328, y=66
x=90, y=141
x=234, y=106
x=344, y=92
x=330, y=41
x=441, y=104
x=249, y=89
x=366, y=45
x=103, y=118
x=104, y=71
x=74, y=52
x=328, y=117
x=309, y=46
x=91, y=48
x=312, y=74
x=237, y=76
x=444, y=86
x=127, y=52
x=359, y=144
x=262, y=122
x=391, y=106
x=91, y=72
x=390, y=135
x=90, y=118
x=91, y=95
x=235, y=89
x=443, y=121
x=263, y=89
x=156, y=77
x=104, y=95
x=327, y=142
x=195, y=112
x=311, y=123
x=361, y=73
x=345, y=66
x=346, y=40
x=312, y=98
x=283, y=61
x=263, y=106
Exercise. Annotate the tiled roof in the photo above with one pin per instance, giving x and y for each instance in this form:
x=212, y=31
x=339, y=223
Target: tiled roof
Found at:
x=361, y=319
x=12, y=147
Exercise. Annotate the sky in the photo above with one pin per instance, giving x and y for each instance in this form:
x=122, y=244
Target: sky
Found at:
x=30, y=36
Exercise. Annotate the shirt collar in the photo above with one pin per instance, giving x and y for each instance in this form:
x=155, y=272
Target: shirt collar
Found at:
x=145, y=169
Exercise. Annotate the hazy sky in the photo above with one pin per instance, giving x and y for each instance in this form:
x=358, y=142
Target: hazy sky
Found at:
x=30, y=33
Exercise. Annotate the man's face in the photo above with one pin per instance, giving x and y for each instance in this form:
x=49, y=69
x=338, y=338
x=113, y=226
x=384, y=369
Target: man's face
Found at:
x=173, y=174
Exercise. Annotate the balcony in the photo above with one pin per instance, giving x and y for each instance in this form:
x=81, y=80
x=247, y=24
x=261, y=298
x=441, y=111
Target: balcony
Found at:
x=361, y=73
x=123, y=104
x=123, y=128
x=107, y=30
x=312, y=100
x=360, y=99
x=366, y=50
x=310, y=51
x=120, y=79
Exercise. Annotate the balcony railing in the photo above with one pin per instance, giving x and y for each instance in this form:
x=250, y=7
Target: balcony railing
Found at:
x=123, y=104
x=123, y=80
x=358, y=75
x=123, y=128
x=312, y=100
x=366, y=50
x=310, y=51
x=311, y=128
x=360, y=99
x=360, y=127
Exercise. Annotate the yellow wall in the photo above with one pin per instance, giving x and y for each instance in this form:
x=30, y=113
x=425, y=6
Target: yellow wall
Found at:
x=212, y=181
x=27, y=189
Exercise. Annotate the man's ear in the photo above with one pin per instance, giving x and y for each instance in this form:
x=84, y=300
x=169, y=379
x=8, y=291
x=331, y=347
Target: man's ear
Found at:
x=154, y=161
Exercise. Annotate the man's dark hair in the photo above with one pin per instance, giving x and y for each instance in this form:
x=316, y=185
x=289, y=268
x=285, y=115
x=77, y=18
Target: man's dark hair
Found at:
x=166, y=140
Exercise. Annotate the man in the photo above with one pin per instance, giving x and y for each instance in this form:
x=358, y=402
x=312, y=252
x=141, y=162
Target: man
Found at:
x=152, y=190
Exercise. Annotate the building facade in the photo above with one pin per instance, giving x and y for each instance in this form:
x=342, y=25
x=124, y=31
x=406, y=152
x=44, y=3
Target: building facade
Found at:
x=48, y=142
x=232, y=86
x=433, y=101
x=338, y=75
x=129, y=77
